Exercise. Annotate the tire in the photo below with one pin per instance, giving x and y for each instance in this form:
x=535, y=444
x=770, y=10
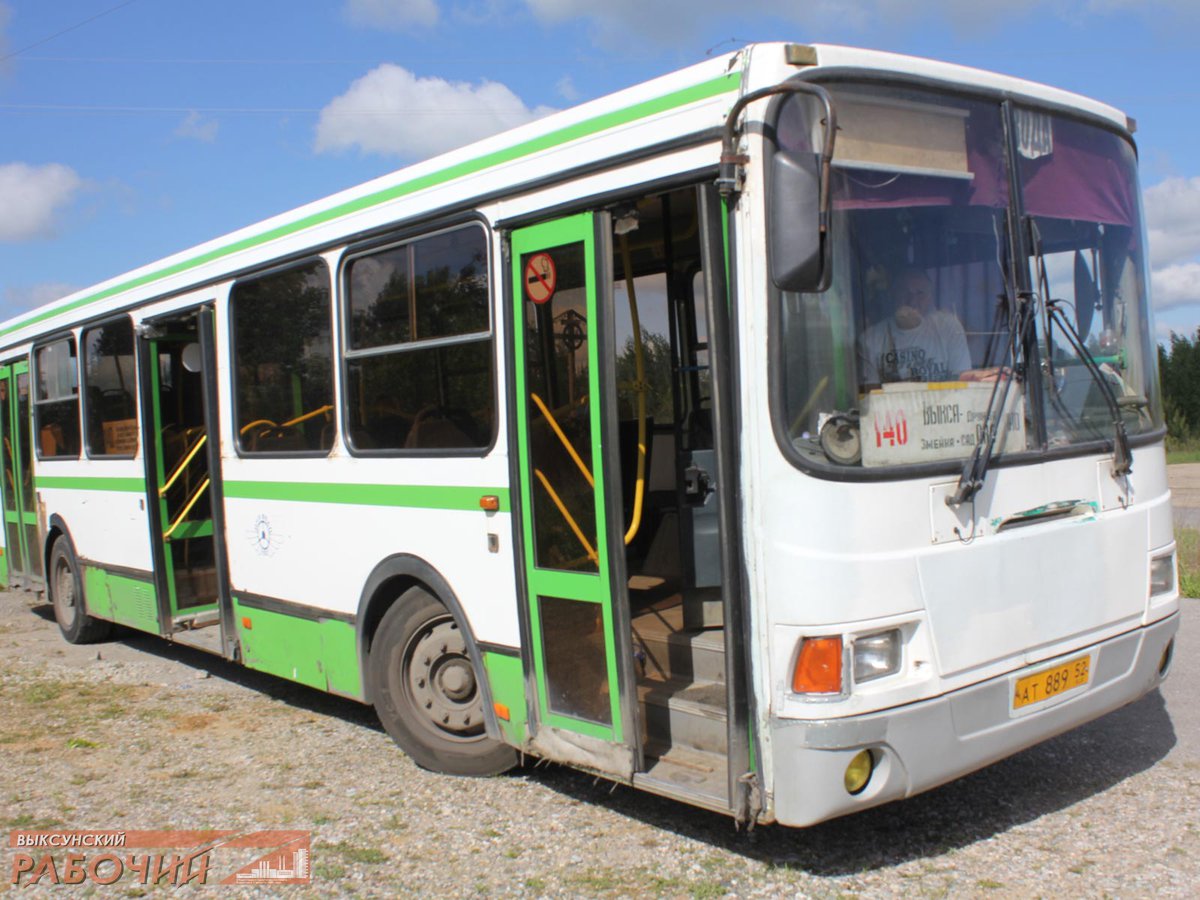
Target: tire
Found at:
x=427, y=693
x=66, y=594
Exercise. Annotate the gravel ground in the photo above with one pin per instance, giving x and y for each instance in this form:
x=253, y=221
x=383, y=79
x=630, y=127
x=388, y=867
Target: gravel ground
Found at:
x=141, y=734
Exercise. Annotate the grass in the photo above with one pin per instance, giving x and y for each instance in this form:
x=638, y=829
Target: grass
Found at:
x=43, y=692
x=1187, y=546
x=328, y=871
x=1182, y=450
x=352, y=853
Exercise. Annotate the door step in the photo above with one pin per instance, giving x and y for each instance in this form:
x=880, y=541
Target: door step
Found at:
x=692, y=776
x=196, y=620
x=684, y=714
x=202, y=638
x=667, y=650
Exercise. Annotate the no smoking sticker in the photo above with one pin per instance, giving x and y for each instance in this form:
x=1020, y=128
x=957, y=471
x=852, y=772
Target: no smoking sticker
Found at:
x=541, y=277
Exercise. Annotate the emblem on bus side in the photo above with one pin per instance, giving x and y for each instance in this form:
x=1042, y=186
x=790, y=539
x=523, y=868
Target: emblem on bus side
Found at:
x=265, y=539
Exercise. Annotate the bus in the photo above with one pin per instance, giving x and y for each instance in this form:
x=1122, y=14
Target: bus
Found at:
x=781, y=436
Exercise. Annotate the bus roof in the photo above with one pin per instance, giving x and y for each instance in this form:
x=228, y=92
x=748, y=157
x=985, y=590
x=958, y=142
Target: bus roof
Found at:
x=830, y=56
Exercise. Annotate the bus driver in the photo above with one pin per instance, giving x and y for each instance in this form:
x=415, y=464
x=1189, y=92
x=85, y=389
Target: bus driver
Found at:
x=916, y=342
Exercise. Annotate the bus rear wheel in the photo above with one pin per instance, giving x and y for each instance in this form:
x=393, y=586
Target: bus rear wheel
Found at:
x=66, y=594
x=426, y=690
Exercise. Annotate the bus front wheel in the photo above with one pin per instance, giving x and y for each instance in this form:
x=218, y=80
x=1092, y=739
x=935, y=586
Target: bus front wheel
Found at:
x=66, y=594
x=426, y=690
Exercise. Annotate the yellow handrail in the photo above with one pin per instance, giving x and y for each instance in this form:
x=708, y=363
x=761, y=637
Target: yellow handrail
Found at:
x=246, y=428
x=187, y=509
x=308, y=415
x=288, y=424
x=591, y=551
x=162, y=491
x=566, y=442
x=639, y=491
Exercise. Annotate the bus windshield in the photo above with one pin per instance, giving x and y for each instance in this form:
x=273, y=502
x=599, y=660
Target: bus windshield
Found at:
x=897, y=362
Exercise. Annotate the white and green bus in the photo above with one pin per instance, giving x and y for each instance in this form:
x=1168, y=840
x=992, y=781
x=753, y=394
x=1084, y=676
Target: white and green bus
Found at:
x=781, y=435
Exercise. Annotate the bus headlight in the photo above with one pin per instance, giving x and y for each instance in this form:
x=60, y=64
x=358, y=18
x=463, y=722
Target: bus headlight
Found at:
x=1162, y=574
x=876, y=655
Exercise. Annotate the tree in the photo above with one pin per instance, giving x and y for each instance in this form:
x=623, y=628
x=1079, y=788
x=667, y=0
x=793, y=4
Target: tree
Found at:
x=1179, y=368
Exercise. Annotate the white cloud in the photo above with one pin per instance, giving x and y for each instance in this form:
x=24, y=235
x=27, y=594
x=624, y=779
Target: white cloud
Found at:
x=33, y=198
x=18, y=298
x=1173, y=220
x=1173, y=226
x=1177, y=285
x=392, y=111
x=196, y=127
x=566, y=89
x=394, y=15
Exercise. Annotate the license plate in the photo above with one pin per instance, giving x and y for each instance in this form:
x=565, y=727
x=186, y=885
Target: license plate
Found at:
x=1053, y=681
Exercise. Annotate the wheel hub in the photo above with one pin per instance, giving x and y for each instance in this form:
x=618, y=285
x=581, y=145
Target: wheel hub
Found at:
x=441, y=681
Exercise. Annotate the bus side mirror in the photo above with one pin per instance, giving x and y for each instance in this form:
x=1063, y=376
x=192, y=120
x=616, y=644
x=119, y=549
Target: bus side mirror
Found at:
x=795, y=241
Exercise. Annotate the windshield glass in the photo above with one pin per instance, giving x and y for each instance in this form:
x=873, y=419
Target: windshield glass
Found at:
x=897, y=361
x=1079, y=186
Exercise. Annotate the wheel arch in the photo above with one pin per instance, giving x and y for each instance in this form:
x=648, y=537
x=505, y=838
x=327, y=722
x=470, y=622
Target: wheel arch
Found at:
x=384, y=587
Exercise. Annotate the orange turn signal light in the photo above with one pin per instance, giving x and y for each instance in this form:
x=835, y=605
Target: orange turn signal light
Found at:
x=246, y=623
x=489, y=502
x=819, y=666
x=501, y=711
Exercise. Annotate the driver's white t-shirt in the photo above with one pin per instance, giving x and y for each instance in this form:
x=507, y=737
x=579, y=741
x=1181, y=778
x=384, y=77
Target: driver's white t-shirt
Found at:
x=933, y=350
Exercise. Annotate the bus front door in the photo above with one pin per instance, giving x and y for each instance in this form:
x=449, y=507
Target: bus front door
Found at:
x=578, y=649
x=22, y=559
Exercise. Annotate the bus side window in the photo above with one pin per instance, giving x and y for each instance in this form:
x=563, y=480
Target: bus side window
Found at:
x=56, y=401
x=419, y=346
x=109, y=410
x=283, y=351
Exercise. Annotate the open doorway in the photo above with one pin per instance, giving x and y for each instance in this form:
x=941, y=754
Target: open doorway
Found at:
x=669, y=493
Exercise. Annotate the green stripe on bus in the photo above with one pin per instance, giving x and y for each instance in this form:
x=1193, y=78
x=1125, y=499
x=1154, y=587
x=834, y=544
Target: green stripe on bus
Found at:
x=705, y=90
x=87, y=483
x=412, y=496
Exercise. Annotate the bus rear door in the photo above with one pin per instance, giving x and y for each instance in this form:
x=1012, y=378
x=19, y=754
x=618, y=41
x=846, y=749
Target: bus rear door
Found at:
x=22, y=546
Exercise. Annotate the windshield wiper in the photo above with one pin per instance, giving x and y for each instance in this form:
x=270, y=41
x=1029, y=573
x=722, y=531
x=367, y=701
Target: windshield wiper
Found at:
x=1019, y=310
x=1122, y=458
x=1020, y=320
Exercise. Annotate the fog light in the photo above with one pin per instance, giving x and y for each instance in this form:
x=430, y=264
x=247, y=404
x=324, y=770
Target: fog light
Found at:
x=1162, y=574
x=1164, y=664
x=858, y=773
x=876, y=655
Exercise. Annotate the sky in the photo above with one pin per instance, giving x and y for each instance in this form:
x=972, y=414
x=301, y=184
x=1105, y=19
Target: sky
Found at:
x=131, y=129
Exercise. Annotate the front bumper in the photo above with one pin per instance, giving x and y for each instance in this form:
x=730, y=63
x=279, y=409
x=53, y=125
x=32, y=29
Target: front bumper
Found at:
x=925, y=744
